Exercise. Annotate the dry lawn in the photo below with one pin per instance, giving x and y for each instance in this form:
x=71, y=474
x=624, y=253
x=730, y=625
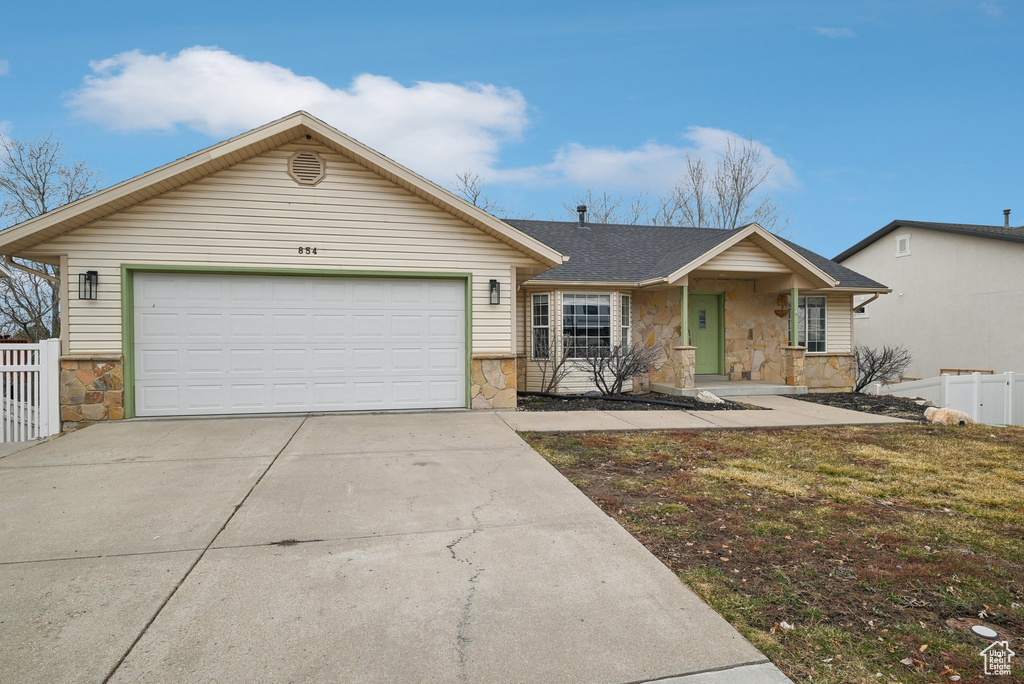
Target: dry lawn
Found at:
x=839, y=552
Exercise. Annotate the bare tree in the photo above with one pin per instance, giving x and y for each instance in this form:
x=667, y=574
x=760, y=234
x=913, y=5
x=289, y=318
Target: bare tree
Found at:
x=605, y=207
x=610, y=367
x=470, y=187
x=885, y=365
x=35, y=177
x=726, y=197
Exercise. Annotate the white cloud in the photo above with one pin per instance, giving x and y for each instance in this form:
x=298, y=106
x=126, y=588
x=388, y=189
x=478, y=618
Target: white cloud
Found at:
x=830, y=32
x=5, y=67
x=436, y=128
x=651, y=166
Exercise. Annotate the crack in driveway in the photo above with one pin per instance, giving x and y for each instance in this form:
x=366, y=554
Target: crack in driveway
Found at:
x=462, y=638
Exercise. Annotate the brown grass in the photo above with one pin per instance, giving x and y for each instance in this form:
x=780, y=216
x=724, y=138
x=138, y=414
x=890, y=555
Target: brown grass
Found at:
x=872, y=542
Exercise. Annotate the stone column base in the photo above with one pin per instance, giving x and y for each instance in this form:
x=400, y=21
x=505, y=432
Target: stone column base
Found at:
x=493, y=382
x=793, y=362
x=686, y=365
x=91, y=388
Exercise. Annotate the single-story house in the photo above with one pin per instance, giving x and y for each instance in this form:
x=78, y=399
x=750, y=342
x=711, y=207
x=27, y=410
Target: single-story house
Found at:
x=956, y=302
x=294, y=269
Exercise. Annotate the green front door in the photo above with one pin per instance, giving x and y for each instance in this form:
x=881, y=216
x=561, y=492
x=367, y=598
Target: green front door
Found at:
x=706, y=332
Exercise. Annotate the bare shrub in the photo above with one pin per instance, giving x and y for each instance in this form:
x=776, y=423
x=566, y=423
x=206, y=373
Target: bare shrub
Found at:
x=610, y=367
x=553, y=371
x=880, y=365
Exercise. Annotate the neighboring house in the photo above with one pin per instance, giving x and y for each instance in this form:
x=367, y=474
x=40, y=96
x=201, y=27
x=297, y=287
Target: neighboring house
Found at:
x=293, y=269
x=957, y=292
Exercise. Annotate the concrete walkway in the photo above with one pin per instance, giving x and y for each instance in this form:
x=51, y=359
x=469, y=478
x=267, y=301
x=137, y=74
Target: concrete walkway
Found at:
x=785, y=412
x=363, y=548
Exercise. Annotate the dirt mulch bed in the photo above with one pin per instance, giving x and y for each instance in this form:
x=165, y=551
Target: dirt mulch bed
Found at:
x=895, y=407
x=627, y=402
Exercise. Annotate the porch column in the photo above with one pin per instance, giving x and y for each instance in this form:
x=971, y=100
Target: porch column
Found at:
x=684, y=316
x=685, y=355
x=793, y=353
x=794, y=312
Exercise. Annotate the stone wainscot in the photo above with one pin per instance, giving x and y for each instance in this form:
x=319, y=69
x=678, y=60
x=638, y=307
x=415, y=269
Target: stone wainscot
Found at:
x=493, y=382
x=91, y=388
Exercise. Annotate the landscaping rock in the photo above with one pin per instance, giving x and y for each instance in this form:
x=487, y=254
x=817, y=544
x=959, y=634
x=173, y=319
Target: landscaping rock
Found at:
x=708, y=398
x=947, y=416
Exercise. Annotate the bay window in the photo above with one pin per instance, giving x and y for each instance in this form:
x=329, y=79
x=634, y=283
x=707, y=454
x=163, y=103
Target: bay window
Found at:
x=624, y=321
x=541, y=326
x=586, y=323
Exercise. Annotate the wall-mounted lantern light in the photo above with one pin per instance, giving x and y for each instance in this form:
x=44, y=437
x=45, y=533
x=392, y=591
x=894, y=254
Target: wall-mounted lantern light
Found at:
x=88, y=284
x=495, y=292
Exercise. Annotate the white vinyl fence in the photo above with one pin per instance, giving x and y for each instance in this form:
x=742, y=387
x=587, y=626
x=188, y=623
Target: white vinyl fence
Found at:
x=29, y=390
x=990, y=399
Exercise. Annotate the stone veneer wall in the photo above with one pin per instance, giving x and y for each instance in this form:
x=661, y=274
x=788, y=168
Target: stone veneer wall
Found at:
x=493, y=382
x=521, y=362
x=830, y=372
x=91, y=388
x=656, y=324
x=754, y=335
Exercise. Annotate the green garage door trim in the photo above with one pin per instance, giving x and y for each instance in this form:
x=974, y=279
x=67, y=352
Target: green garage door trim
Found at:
x=128, y=272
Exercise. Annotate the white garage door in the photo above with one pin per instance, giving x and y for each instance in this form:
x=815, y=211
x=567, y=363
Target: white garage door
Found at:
x=218, y=344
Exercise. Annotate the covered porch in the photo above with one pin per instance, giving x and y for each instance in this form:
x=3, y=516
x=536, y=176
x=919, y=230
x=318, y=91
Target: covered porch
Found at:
x=748, y=318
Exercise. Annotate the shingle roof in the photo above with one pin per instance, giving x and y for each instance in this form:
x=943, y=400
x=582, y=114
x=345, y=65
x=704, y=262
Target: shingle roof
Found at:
x=1008, y=234
x=630, y=254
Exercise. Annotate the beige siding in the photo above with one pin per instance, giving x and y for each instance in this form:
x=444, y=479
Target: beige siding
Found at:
x=839, y=323
x=254, y=215
x=745, y=257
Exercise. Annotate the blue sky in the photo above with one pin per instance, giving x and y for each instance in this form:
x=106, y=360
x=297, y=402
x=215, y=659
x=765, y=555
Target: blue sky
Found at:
x=871, y=110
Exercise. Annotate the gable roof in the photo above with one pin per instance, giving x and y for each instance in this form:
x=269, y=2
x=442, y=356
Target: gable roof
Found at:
x=245, y=146
x=617, y=253
x=1008, y=234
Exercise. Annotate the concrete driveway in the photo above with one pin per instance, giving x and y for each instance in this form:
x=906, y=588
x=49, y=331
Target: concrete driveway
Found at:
x=378, y=548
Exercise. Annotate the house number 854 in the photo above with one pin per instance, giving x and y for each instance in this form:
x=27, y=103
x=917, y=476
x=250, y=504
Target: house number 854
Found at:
x=307, y=250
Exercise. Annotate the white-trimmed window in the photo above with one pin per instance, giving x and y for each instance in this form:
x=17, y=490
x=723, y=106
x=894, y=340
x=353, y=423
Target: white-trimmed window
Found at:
x=586, y=323
x=859, y=310
x=541, y=326
x=903, y=245
x=811, y=323
x=624, y=313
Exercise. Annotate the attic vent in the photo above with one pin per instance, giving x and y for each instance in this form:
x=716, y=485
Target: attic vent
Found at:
x=307, y=167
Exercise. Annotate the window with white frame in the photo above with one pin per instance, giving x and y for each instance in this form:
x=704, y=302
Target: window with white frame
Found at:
x=811, y=320
x=903, y=245
x=624, y=321
x=859, y=309
x=541, y=312
x=586, y=323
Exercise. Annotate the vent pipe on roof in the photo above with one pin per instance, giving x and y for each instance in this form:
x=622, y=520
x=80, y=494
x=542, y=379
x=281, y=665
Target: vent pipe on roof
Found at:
x=1006, y=218
x=582, y=211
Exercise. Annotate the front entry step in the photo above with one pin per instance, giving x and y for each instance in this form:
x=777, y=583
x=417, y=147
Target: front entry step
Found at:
x=740, y=388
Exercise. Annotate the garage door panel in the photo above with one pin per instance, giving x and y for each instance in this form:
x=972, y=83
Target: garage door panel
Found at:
x=445, y=327
x=209, y=344
x=151, y=326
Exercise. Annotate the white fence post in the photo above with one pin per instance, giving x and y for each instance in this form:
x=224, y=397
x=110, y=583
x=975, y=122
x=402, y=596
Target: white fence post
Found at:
x=944, y=391
x=49, y=388
x=976, y=396
x=1008, y=402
